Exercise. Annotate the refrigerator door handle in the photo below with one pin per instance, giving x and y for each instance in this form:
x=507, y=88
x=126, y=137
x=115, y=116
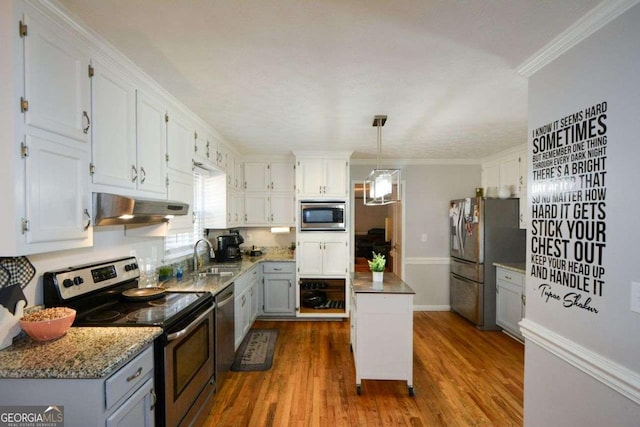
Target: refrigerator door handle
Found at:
x=460, y=228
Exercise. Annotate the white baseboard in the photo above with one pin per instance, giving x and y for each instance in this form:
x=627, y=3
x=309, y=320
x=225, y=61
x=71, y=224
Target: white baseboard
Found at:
x=431, y=308
x=606, y=371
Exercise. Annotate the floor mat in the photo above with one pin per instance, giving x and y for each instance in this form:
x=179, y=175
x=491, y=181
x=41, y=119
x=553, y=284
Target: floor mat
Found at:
x=256, y=351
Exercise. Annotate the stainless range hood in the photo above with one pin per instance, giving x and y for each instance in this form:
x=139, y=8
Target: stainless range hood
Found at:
x=113, y=209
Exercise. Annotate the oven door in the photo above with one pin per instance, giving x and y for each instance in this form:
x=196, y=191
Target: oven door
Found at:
x=188, y=369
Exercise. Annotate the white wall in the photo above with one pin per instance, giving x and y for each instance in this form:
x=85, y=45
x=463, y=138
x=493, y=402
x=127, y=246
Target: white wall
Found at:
x=582, y=361
x=429, y=188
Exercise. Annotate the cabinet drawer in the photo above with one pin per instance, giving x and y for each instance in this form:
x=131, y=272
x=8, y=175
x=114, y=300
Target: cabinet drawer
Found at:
x=279, y=267
x=129, y=377
x=510, y=276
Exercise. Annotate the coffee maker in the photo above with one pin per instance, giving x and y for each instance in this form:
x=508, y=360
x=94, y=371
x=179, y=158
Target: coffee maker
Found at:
x=229, y=247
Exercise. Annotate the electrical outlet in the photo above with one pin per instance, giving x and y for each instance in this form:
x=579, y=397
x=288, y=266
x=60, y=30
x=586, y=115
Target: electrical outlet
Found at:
x=635, y=297
x=423, y=238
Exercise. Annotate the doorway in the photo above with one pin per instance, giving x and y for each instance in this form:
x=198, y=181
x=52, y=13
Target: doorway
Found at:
x=376, y=229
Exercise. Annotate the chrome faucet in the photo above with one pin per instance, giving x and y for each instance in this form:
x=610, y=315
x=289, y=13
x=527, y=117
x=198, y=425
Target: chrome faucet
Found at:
x=212, y=254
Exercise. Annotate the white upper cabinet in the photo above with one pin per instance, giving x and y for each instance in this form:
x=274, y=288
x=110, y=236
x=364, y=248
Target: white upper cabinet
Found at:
x=209, y=151
x=151, y=144
x=180, y=189
x=56, y=80
x=508, y=169
x=58, y=202
x=129, y=135
x=113, y=111
x=48, y=204
x=282, y=177
x=271, y=177
x=180, y=143
x=510, y=173
x=322, y=176
x=256, y=177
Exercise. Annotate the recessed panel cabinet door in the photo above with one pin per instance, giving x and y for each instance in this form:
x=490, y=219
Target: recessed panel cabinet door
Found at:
x=180, y=144
x=113, y=105
x=335, y=177
x=56, y=81
x=58, y=208
x=151, y=145
x=181, y=189
x=309, y=256
x=335, y=257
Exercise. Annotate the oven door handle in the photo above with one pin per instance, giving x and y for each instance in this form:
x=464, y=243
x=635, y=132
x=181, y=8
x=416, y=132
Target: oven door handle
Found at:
x=174, y=336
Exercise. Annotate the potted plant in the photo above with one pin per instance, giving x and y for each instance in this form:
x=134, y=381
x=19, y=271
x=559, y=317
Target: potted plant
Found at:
x=292, y=248
x=376, y=265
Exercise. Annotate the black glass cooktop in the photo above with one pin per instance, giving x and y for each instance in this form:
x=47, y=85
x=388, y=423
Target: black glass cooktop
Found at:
x=157, y=312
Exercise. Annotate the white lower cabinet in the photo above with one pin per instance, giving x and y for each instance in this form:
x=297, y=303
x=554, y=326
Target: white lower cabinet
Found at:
x=125, y=398
x=509, y=300
x=279, y=292
x=246, y=302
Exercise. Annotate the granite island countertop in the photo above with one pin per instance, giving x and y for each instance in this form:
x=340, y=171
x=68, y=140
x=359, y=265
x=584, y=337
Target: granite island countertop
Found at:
x=392, y=284
x=518, y=267
x=215, y=283
x=81, y=353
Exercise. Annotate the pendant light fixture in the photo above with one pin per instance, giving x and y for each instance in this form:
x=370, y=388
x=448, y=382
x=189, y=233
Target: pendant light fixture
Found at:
x=382, y=186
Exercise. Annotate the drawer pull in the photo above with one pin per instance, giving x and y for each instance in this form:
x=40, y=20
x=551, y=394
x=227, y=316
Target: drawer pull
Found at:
x=508, y=277
x=135, y=375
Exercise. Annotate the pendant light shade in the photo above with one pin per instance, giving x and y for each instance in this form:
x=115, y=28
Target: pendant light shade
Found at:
x=382, y=186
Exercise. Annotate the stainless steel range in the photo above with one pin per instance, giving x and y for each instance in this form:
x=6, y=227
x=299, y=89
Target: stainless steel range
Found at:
x=107, y=294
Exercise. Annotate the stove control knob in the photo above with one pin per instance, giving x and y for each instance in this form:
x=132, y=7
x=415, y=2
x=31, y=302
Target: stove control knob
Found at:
x=78, y=280
x=67, y=283
x=127, y=267
x=134, y=266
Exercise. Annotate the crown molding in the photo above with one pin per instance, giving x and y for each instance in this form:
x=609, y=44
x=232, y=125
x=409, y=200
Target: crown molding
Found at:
x=410, y=162
x=591, y=22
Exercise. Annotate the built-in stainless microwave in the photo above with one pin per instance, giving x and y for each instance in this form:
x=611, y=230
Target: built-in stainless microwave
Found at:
x=322, y=215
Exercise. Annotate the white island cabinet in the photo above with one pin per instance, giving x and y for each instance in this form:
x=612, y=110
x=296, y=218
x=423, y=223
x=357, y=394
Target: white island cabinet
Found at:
x=382, y=329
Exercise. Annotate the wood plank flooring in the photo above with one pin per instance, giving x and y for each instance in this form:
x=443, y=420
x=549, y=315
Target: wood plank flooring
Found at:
x=462, y=377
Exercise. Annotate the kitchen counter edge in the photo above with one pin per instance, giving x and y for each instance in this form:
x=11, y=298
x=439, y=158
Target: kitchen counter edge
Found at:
x=392, y=284
x=517, y=267
x=82, y=353
x=217, y=283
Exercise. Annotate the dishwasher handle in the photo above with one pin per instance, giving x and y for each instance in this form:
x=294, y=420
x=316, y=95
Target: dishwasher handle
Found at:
x=225, y=301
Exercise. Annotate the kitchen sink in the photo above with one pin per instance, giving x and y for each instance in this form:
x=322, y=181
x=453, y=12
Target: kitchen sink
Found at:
x=220, y=271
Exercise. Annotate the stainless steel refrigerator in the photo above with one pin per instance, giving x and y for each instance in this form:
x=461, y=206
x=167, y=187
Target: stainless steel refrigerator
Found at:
x=482, y=231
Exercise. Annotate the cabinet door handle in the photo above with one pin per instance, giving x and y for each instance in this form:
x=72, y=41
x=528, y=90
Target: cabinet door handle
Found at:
x=135, y=375
x=86, y=128
x=144, y=175
x=154, y=399
x=134, y=173
x=86, y=212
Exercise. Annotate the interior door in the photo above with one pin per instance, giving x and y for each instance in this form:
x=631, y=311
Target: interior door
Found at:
x=395, y=231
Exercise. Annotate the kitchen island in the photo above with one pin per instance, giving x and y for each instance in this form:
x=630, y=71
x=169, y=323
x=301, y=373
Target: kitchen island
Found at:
x=382, y=329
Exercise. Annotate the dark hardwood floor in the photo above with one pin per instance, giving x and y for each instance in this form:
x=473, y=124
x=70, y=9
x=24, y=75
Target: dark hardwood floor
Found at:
x=462, y=377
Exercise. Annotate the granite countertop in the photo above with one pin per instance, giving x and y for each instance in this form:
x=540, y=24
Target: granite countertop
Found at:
x=214, y=283
x=518, y=267
x=81, y=353
x=392, y=284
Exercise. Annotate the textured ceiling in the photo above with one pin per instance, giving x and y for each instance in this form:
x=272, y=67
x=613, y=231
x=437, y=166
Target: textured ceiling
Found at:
x=282, y=75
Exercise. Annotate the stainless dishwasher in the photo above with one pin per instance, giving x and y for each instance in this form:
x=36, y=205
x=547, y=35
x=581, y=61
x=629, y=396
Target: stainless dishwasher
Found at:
x=224, y=340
